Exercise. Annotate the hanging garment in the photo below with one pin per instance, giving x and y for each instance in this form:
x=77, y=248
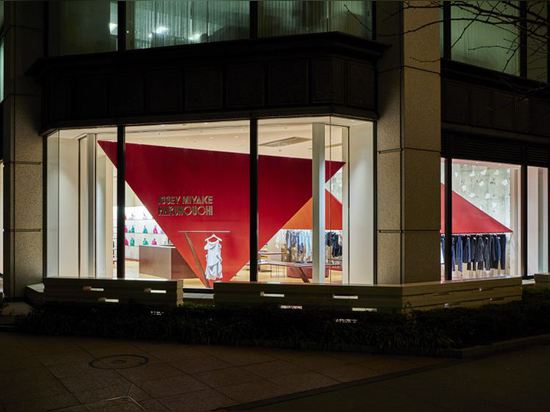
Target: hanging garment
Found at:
x=442, y=250
x=154, y=242
x=498, y=253
x=502, y=240
x=132, y=229
x=132, y=242
x=458, y=252
x=155, y=230
x=480, y=247
x=126, y=243
x=145, y=231
x=213, y=269
x=467, y=251
x=487, y=252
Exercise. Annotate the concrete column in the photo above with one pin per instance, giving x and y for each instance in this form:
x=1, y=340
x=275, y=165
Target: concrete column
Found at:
x=22, y=146
x=408, y=143
x=318, y=165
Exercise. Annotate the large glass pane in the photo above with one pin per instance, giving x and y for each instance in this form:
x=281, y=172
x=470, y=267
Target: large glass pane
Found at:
x=486, y=219
x=280, y=18
x=486, y=34
x=80, y=196
x=537, y=220
x=84, y=26
x=294, y=209
x=187, y=202
x=537, y=40
x=169, y=22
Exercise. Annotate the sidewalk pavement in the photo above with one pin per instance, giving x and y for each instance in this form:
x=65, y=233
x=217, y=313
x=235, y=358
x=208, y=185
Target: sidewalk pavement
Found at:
x=40, y=373
x=514, y=381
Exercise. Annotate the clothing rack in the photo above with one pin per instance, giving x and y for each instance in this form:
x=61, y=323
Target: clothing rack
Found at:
x=477, y=251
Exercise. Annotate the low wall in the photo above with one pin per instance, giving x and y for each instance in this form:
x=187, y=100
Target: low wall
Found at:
x=418, y=296
x=111, y=291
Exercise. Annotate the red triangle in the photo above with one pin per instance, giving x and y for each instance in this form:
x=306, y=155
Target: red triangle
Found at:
x=284, y=186
x=304, y=217
x=468, y=218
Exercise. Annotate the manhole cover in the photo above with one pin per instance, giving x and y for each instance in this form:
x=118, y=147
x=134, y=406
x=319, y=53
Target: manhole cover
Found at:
x=119, y=362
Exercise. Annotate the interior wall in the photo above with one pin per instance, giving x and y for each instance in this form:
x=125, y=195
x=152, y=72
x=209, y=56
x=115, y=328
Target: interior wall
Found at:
x=533, y=217
x=104, y=216
x=52, y=234
x=68, y=208
x=361, y=204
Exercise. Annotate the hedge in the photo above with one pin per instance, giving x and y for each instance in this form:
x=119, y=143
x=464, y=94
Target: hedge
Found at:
x=427, y=333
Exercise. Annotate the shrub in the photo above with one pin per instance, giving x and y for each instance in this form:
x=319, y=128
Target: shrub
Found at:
x=429, y=332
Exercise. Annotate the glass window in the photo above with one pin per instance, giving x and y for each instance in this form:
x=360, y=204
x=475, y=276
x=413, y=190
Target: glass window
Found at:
x=78, y=27
x=315, y=182
x=486, y=219
x=80, y=194
x=169, y=22
x=187, y=197
x=86, y=26
x=486, y=34
x=279, y=18
x=187, y=202
x=537, y=40
x=537, y=220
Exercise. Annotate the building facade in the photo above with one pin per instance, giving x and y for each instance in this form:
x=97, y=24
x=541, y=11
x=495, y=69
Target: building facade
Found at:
x=338, y=142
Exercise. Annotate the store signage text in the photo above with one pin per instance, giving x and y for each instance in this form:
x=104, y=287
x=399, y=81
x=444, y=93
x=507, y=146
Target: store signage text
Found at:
x=186, y=205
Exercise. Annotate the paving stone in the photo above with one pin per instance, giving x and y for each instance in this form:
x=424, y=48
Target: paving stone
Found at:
x=227, y=376
x=253, y=391
x=273, y=368
x=91, y=396
x=303, y=381
x=175, y=385
x=148, y=372
x=240, y=356
x=203, y=400
x=43, y=403
x=201, y=363
x=349, y=373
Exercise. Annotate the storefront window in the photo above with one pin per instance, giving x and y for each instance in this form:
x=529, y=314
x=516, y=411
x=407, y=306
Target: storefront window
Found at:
x=306, y=217
x=537, y=40
x=187, y=202
x=537, y=220
x=486, y=218
x=169, y=22
x=80, y=194
x=78, y=27
x=486, y=34
x=279, y=18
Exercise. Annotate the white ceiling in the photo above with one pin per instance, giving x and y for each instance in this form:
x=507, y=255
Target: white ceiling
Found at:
x=232, y=136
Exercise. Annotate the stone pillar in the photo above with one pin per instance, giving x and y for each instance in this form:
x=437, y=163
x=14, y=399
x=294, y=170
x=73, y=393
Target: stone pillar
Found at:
x=408, y=143
x=22, y=146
